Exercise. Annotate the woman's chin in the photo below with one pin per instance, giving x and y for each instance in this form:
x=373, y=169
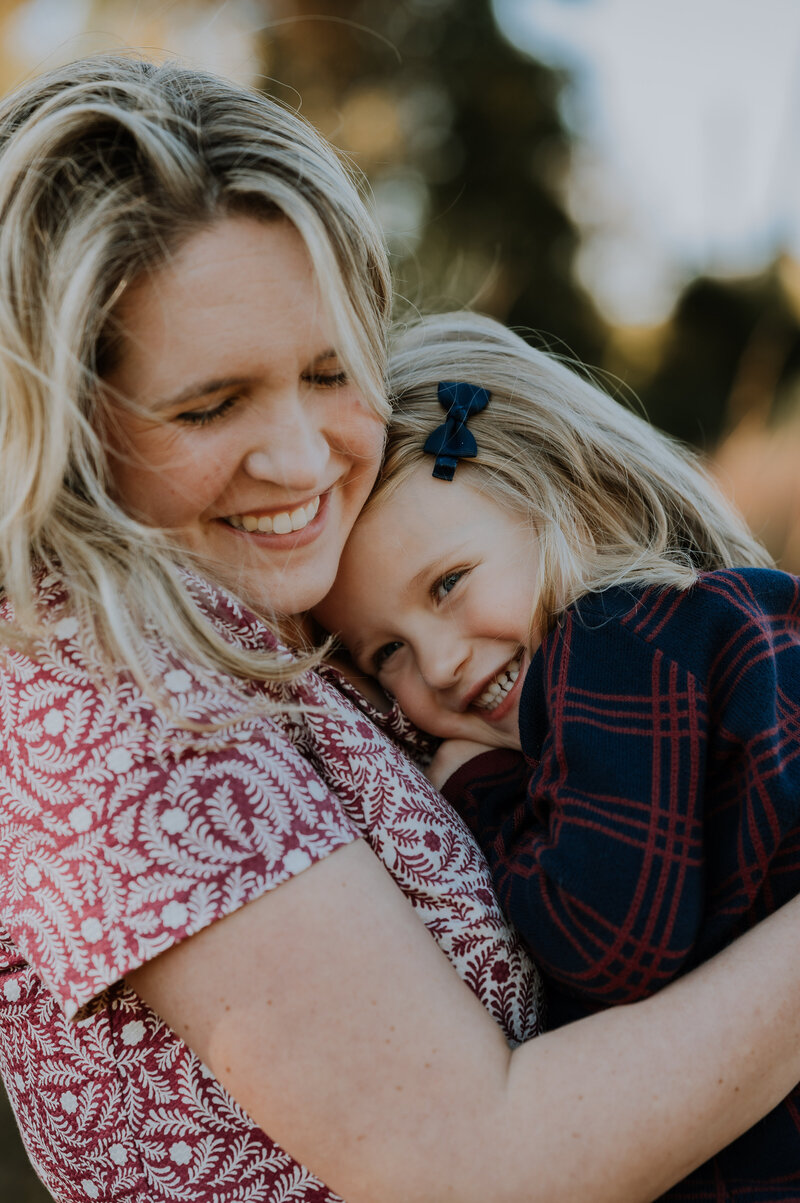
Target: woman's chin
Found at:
x=282, y=591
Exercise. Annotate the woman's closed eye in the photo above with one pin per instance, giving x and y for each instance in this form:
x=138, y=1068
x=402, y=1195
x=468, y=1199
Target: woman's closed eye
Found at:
x=326, y=371
x=202, y=417
x=329, y=379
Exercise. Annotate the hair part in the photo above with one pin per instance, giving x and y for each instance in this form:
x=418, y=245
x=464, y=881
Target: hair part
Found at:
x=612, y=500
x=107, y=166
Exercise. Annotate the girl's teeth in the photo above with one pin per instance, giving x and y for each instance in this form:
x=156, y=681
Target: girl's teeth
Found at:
x=280, y=524
x=497, y=689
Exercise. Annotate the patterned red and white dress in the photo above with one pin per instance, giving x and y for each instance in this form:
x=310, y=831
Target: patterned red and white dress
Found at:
x=122, y=833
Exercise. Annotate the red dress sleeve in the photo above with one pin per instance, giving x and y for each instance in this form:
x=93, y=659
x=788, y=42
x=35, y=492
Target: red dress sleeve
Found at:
x=123, y=833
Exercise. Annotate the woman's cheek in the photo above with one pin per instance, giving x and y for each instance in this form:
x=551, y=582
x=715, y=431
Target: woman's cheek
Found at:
x=361, y=431
x=162, y=482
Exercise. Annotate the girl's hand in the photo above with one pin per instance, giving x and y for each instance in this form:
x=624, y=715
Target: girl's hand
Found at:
x=449, y=756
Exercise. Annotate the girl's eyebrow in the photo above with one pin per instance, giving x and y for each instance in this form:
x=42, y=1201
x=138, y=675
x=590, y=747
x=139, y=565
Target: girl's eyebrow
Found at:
x=435, y=565
x=419, y=578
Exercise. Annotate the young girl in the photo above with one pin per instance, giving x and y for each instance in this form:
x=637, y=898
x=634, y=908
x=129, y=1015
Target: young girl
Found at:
x=538, y=569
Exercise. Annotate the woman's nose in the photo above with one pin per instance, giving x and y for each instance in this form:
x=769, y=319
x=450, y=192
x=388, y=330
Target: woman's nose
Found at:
x=292, y=451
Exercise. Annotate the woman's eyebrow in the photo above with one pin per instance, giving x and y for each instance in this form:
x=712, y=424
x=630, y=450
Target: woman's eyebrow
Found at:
x=194, y=392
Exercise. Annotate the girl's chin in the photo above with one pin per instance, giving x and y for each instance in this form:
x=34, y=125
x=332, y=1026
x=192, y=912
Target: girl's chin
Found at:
x=504, y=734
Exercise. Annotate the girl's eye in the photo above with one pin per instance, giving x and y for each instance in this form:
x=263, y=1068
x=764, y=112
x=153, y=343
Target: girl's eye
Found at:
x=446, y=583
x=384, y=653
x=202, y=417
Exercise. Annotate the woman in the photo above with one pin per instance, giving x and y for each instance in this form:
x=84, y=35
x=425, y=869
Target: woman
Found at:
x=194, y=824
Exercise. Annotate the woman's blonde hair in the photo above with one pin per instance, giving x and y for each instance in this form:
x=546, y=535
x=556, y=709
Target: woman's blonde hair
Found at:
x=611, y=500
x=107, y=166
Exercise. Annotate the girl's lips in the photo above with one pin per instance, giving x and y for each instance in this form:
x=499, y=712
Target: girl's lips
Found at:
x=511, y=699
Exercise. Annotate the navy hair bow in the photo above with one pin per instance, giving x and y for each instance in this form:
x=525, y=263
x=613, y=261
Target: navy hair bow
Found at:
x=451, y=441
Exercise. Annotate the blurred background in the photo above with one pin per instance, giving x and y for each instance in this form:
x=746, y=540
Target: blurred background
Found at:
x=621, y=178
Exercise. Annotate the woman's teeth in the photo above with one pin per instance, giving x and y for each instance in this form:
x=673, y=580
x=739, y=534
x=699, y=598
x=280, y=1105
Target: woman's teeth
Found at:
x=497, y=688
x=278, y=524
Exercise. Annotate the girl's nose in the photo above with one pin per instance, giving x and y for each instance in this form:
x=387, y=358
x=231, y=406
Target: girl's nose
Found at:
x=443, y=660
x=292, y=452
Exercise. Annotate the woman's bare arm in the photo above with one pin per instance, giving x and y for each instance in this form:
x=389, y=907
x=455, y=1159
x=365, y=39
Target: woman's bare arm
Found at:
x=330, y=1014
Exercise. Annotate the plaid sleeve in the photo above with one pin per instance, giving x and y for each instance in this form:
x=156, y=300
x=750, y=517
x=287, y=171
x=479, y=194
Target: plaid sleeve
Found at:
x=601, y=867
x=486, y=788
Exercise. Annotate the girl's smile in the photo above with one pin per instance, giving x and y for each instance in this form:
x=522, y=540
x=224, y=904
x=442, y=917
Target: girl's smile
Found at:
x=435, y=595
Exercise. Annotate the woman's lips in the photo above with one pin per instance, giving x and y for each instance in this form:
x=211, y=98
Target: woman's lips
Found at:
x=282, y=528
x=284, y=522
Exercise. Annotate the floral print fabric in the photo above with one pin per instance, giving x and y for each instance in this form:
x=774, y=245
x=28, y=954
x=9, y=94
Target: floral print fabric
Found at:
x=121, y=833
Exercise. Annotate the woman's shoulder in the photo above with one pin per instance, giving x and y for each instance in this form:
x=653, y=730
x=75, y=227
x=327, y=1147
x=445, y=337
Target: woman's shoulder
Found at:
x=136, y=824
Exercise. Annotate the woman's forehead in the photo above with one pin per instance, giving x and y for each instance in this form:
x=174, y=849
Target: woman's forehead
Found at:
x=236, y=296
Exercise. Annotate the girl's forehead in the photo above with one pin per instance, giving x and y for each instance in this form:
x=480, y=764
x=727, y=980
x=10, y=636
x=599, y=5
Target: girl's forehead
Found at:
x=427, y=506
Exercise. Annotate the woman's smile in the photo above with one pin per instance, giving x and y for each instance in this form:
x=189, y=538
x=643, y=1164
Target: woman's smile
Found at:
x=285, y=522
x=261, y=464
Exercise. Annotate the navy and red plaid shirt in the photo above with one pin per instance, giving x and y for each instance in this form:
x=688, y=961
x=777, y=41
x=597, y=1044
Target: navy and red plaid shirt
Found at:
x=656, y=813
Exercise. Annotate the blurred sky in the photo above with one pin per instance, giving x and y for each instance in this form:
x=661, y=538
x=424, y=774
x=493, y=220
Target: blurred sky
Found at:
x=688, y=113
x=218, y=34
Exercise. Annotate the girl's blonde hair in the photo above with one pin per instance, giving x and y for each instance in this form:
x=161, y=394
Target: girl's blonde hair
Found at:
x=611, y=500
x=107, y=166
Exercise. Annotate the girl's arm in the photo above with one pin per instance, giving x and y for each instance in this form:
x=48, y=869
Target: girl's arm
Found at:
x=451, y=755
x=329, y=1013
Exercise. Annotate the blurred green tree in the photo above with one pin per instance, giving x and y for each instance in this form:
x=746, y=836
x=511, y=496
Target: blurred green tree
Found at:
x=732, y=351
x=461, y=136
